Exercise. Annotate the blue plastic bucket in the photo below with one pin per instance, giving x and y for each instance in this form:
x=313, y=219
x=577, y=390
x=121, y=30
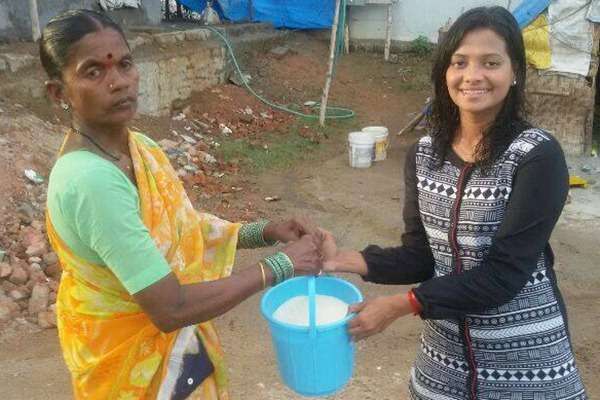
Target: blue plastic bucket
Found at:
x=314, y=360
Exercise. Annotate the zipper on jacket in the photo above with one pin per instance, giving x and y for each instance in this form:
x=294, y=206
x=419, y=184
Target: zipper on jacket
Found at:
x=458, y=268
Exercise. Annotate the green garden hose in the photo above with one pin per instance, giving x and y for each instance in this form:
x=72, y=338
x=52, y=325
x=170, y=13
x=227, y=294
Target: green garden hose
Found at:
x=331, y=112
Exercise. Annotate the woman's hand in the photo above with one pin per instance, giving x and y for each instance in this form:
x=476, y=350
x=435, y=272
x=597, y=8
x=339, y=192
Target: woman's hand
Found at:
x=305, y=255
x=377, y=314
x=335, y=260
x=290, y=230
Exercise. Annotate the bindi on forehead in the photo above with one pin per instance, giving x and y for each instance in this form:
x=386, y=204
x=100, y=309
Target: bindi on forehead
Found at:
x=109, y=61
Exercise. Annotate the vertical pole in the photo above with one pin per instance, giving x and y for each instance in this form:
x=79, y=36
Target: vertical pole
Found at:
x=329, y=75
x=388, y=34
x=347, y=37
x=35, y=20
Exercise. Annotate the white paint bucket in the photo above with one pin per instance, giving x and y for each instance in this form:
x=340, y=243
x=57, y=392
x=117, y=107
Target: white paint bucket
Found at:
x=360, y=149
x=380, y=134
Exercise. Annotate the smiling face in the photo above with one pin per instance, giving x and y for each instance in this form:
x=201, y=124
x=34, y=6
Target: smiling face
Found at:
x=101, y=80
x=480, y=74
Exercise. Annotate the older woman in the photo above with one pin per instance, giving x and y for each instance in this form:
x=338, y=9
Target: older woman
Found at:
x=483, y=192
x=143, y=272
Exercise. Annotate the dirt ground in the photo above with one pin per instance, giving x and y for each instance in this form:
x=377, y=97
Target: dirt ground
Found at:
x=359, y=207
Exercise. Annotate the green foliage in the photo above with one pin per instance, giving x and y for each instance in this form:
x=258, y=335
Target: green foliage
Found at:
x=281, y=150
x=421, y=46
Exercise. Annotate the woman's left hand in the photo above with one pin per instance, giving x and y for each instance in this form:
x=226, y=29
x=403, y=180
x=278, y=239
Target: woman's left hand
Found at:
x=290, y=230
x=377, y=314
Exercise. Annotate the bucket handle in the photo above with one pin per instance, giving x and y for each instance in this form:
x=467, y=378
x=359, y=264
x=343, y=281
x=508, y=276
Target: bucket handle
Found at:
x=312, y=307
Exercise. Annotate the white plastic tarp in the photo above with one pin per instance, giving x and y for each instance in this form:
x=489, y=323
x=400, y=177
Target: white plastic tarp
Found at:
x=571, y=36
x=593, y=14
x=113, y=4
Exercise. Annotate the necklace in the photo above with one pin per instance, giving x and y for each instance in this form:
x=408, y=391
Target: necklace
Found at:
x=88, y=137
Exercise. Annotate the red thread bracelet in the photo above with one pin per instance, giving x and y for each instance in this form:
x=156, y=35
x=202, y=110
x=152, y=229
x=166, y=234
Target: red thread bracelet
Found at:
x=414, y=302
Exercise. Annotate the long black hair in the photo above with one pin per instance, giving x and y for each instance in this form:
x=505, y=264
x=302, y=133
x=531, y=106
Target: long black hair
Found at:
x=66, y=29
x=510, y=121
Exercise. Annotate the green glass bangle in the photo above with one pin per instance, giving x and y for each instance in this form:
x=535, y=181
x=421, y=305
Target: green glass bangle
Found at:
x=281, y=265
x=251, y=236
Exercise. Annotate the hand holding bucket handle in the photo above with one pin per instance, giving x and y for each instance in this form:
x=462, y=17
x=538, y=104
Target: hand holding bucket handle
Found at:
x=375, y=315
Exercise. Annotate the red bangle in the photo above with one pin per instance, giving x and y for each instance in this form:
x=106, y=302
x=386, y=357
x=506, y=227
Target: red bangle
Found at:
x=414, y=302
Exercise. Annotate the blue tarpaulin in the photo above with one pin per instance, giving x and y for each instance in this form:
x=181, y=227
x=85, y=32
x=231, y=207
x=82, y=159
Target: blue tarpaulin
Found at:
x=305, y=14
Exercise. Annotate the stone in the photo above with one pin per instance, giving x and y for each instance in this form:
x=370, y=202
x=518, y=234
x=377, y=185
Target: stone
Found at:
x=206, y=158
x=53, y=271
x=47, y=319
x=17, y=62
x=38, y=226
x=167, y=144
x=36, y=249
x=182, y=161
x=8, y=309
x=17, y=294
x=138, y=41
x=35, y=267
x=34, y=260
x=165, y=39
x=30, y=235
x=19, y=276
x=53, y=285
x=197, y=34
x=7, y=286
x=280, y=51
x=3, y=65
x=189, y=139
x=39, y=298
x=50, y=258
x=5, y=270
x=26, y=213
x=238, y=81
x=246, y=118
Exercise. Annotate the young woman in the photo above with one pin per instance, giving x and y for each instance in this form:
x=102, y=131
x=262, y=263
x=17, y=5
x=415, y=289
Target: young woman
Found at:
x=143, y=272
x=483, y=192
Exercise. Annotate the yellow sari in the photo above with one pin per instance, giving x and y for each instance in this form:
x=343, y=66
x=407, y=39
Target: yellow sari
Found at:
x=111, y=347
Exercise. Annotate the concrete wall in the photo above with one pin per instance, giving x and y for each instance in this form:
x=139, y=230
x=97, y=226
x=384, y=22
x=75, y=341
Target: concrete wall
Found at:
x=168, y=77
x=412, y=18
x=171, y=66
x=15, y=21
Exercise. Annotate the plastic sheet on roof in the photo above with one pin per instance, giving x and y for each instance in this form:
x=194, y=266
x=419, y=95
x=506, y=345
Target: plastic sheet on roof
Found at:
x=294, y=14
